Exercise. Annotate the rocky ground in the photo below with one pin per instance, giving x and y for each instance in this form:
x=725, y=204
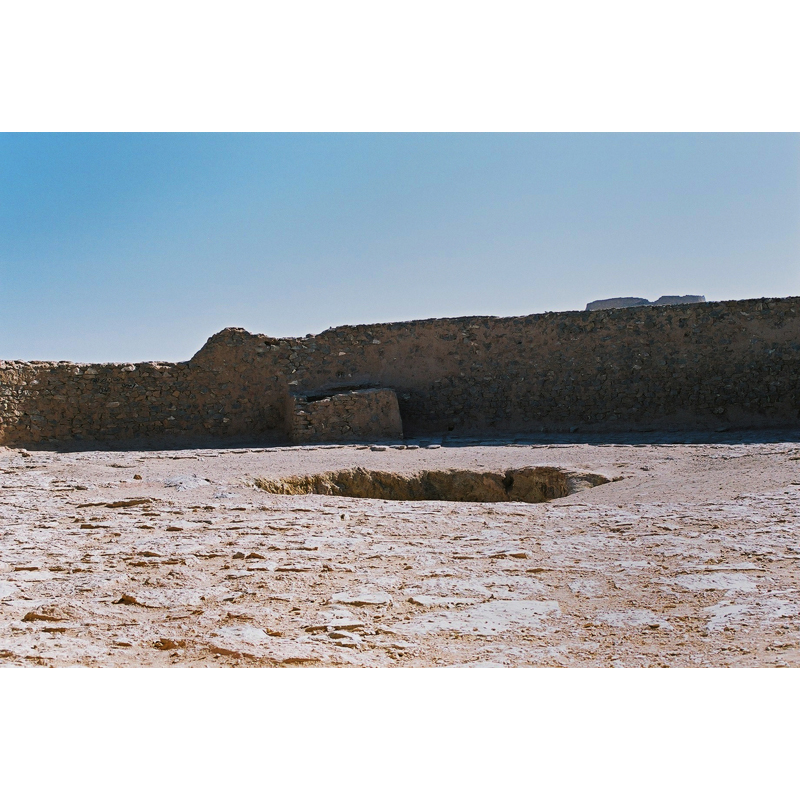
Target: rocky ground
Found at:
x=157, y=558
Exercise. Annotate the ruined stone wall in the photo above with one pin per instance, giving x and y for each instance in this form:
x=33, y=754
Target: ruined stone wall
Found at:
x=368, y=415
x=700, y=366
x=224, y=394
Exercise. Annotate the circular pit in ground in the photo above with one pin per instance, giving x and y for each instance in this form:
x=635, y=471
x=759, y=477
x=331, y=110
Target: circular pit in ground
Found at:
x=520, y=485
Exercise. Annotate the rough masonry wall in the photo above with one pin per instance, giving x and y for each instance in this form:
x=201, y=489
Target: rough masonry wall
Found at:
x=370, y=415
x=217, y=396
x=693, y=366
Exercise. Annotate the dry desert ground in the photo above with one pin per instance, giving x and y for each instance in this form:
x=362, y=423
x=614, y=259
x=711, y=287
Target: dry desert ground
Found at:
x=687, y=556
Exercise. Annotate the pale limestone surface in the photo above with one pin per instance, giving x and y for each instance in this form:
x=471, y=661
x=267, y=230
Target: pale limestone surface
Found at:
x=690, y=560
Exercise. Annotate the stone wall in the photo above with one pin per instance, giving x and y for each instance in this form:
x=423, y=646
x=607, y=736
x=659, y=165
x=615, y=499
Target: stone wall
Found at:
x=215, y=395
x=728, y=364
x=365, y=415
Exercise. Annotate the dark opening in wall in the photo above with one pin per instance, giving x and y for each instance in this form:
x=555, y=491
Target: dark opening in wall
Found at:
x=324, y=394
x=525, y=485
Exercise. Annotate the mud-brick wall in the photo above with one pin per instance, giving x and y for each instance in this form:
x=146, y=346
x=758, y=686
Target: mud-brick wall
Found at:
x=707, y=365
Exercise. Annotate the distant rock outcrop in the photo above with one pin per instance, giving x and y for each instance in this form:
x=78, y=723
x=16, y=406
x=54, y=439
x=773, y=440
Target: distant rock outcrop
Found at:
x=631, y=302
x=617, y=302
x=678, y=299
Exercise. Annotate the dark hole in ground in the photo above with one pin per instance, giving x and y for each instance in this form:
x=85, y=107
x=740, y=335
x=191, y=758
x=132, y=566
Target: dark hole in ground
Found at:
x=523, y=485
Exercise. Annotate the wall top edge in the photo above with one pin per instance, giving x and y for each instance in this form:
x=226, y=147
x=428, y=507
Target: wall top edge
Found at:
x=233, y=335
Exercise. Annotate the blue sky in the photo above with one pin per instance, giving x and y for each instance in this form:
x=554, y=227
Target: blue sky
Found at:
x=136, y=247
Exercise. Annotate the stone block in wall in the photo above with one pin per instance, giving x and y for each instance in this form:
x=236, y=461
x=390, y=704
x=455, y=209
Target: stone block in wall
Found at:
x=357, y=415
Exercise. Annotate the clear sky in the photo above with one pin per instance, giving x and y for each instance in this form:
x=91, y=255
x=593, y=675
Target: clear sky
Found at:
x=138, y=247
